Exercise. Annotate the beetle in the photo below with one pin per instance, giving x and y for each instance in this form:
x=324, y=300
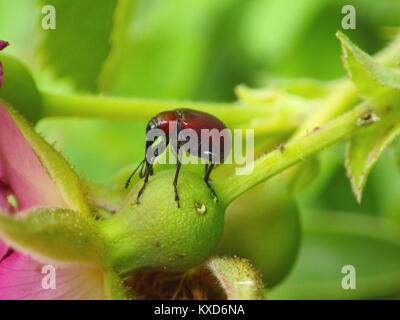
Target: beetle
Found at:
x=213, y=143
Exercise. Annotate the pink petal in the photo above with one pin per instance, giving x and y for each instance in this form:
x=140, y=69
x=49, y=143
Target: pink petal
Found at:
x=3, y=249
x=22, y=170
x=21, y=279
x=5, y=191
x=23, y=176
x=3, y=44
x=4, y=207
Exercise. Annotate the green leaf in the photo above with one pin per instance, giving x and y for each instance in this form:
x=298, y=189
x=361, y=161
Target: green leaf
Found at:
x=57, y=234
x=20, y=89
x=168, y=35
x=259, y=18
x=237, y=277
x=334, y=240
x=78, y=46
x=364, y=148
x=371, y=78
x=122, y=18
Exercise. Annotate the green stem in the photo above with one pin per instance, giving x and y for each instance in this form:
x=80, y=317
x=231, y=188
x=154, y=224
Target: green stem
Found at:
x=234, y=114
x=294, y=152
x=344, y=95
x=139, y=109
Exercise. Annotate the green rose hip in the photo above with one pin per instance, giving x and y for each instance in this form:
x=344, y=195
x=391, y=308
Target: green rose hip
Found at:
x=156, y=233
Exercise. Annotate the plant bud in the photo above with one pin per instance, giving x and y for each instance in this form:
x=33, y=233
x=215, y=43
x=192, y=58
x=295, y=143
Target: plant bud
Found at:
x=155, y=233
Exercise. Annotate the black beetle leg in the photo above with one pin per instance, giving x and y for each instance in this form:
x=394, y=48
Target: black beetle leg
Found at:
x=175, y=183
x=141, y=164
x=178, y=164
x=146, y=179
x=207, y=178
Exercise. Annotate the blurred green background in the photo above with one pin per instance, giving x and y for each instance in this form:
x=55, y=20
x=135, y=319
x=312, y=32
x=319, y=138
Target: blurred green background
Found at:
x=201, y=50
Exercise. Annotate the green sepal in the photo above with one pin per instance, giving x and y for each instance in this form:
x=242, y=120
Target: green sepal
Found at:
x=116, y=289
x=364, y=148
x=237, y=277
x=371, y=78
x=54, y=234
x=59, y=170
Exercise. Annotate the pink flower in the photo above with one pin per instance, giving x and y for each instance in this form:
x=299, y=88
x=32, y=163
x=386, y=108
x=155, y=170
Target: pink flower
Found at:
x=28, y=170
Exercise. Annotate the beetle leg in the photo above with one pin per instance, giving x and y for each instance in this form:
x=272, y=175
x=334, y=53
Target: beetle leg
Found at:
x=205, y=171
x=175, y=183
x=133, y=173
x=148, y=172
x=178, y=164
x=158, y=149
x=207, y=178
x=146, y=179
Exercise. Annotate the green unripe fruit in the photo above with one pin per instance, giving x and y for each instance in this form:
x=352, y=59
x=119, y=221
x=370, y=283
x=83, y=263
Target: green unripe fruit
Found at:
x=156, y=233
x=263, y=226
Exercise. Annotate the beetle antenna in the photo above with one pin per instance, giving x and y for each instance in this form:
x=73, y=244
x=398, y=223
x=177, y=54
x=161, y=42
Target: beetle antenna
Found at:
x=140, y=165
